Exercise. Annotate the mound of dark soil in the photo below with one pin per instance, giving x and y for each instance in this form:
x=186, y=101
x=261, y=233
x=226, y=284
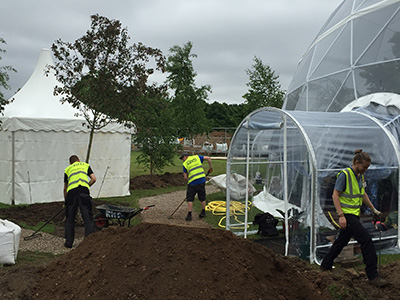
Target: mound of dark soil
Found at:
x=145, y=182
x=156, y=261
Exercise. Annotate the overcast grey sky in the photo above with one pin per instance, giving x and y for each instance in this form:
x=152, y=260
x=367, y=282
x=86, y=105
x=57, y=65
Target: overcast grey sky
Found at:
x=226, y=34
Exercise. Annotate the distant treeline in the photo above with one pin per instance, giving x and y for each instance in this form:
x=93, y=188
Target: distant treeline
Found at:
x=225, y=115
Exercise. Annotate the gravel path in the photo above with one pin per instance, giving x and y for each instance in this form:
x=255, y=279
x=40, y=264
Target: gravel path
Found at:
x=165, y=205
x=45, y=243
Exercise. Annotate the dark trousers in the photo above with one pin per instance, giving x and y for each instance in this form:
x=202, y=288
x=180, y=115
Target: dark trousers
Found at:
x=354, y=229
x=84, y=202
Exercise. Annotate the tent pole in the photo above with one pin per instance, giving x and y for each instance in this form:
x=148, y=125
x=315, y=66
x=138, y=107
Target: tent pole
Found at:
x=314, y=213
x=247, y=179
x=285, y=198
x=13, y=167
x=228, y=196
x=398, y=205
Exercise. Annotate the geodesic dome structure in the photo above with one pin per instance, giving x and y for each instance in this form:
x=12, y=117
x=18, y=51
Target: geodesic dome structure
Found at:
x=292, y=159
x=356, y=53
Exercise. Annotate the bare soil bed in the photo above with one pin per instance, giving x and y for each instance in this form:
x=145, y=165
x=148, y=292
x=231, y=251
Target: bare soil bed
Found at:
x=169, y=258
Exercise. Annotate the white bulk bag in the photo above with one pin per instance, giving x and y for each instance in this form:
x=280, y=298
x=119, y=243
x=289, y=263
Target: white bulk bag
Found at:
x=9, y=241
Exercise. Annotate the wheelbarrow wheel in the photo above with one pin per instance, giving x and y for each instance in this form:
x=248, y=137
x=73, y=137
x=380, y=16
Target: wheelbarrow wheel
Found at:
x=100, y=221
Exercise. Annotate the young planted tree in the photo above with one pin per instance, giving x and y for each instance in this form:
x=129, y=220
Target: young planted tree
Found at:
x=156, y=132
x=264, y=87
x=100, y=69
x=188, y=100
x=4, y=78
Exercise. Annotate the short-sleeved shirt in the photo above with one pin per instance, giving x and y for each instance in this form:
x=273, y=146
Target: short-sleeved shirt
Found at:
x=200, y=180
x=340, y=184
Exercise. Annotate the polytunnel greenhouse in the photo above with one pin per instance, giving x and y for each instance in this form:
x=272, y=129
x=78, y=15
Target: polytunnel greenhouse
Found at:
x=291, y=159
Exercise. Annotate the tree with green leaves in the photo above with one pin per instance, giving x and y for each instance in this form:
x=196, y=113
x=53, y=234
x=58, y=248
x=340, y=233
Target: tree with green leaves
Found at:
x=221, y=115
x=4, y=78
x=188, y=100
x=156, y=132
x=99, y=70
x=264, y=87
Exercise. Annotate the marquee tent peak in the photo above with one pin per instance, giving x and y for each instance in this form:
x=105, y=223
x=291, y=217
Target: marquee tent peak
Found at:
x=36, y=98
x=37, y=136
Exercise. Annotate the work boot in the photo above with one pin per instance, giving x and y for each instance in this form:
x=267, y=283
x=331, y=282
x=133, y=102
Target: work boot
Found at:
x=203, y=213
x=378, y=282
x=189, y=216
x=324, y=269
x=66, y=245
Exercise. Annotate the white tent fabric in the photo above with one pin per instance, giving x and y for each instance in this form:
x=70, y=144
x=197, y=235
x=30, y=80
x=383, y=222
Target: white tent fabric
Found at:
x=269, y=203
x=37, y=136
x=238, y=185
x=383, y=99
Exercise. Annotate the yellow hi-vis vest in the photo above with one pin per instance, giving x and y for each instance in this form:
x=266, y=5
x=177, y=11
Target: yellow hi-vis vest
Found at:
x=194, y=168
x=77, y=175
x=351, y=198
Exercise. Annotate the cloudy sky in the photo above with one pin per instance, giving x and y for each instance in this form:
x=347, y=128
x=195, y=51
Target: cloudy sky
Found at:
x=226, y=34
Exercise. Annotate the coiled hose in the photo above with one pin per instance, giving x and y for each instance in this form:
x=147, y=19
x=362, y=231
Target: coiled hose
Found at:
x=218, y=208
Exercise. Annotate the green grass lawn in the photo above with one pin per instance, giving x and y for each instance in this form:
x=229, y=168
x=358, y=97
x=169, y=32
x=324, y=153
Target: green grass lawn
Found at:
x=219, y=166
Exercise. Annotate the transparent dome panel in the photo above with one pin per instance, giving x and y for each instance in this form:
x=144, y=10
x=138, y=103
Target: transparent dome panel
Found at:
x=366, y=29
x=337, y=57
x=386, y=45
x=344, y=95
x=301, y=74
x=382, y=77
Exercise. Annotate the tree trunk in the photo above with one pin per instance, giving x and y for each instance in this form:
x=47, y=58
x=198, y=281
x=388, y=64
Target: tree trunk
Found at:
x=90, y=140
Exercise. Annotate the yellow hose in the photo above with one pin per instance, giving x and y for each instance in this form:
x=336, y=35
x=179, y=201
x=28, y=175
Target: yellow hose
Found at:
x=218, y=208
x=333, y=220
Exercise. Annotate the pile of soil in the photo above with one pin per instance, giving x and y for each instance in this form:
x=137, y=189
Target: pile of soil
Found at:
x=155, y=261
x=169, y=261
x=158, y=261
x=146, y=182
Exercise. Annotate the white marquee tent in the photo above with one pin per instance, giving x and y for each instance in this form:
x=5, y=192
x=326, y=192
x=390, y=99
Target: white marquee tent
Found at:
x=39, y=133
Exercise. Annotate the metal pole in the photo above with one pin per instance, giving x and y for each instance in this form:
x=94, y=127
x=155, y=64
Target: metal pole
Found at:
x=102, y=182
x=30, y=192
x=247, y=180
x=13, y=168
x=285, y=198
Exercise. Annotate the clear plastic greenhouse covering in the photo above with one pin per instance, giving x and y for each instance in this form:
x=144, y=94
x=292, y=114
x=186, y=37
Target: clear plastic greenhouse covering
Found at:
x=356, y=53
x=292, y=159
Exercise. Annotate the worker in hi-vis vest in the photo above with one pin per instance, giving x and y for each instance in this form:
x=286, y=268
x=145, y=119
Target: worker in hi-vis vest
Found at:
x=194, y=173
x=78, y=178
x=348, y=196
